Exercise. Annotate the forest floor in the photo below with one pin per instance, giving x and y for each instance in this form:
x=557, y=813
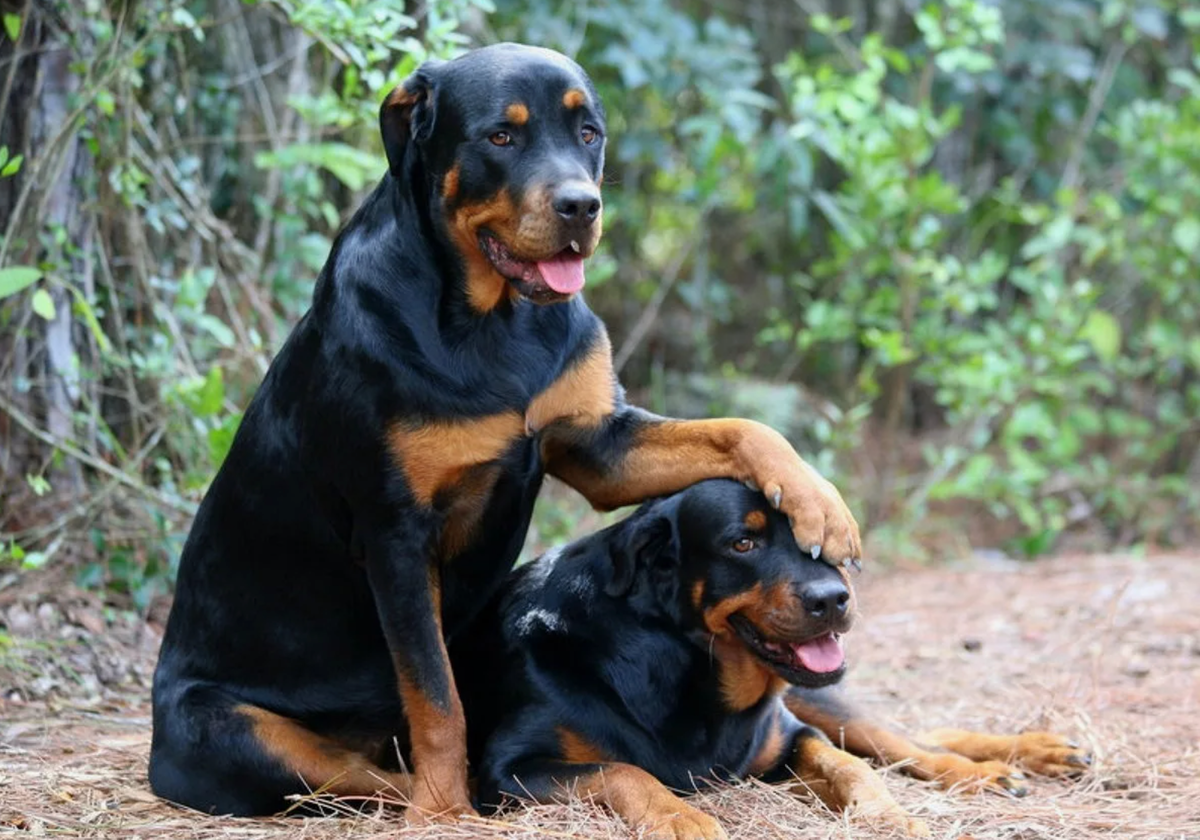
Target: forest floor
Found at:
x=1103, y=648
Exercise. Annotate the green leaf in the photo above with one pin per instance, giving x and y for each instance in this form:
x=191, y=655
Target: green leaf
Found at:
x=43, y=304
x=105, y=102
x=349, y=165
x=205, y=396
x=1103, y=332
x=38, y=484
x=35, y=560
x=12, y=167
x=16, y=277
x=85, y=310
x=220, y=438
x=12, y=27
x=1187, y=236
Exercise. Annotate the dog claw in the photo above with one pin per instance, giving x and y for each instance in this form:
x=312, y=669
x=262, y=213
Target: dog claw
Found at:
x=749, y=482
x=1080, y=760
x=777, y=499
x=1012, y=785
x=815, y=551
x=856, y=563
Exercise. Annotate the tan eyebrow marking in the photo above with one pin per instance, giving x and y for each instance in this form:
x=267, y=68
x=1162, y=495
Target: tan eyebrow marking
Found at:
x=755, y=520
x=573, y=98
x=517, y=113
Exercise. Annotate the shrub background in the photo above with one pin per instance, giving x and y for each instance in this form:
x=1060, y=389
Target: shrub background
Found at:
x=951, y=248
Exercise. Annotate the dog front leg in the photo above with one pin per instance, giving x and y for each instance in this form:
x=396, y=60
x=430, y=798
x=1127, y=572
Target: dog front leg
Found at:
x=633, y=794
x=847, y=783
x=630, y=455
x=406, y=587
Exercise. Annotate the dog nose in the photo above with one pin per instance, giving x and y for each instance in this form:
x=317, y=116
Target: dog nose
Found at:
x=825, y=598
x=577, y=202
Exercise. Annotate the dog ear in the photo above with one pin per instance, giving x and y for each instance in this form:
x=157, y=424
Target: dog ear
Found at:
x=648, y=543
x=408, y=114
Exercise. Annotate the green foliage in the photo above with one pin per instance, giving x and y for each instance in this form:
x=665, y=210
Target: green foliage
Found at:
x=1035, y=354
x=14, y=278
x=950, y=247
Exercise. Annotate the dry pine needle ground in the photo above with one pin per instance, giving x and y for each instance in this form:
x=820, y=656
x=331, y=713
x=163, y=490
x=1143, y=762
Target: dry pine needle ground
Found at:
x=1106, y=649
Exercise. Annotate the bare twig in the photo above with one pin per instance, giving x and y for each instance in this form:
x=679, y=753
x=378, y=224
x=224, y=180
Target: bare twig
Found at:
x=841, y=44
x=18, y=55
x=68, y=448
x=669, y=277
x=1099, y=93
x=94, y=500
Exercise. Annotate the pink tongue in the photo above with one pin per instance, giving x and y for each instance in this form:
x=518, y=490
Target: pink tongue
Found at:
x=821, y=655
x=564, y=273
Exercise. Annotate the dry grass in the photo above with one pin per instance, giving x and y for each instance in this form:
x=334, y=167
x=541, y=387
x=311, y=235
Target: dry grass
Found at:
x=1105, y=649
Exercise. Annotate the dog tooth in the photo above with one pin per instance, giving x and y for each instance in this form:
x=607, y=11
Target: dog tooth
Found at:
x=574, y=246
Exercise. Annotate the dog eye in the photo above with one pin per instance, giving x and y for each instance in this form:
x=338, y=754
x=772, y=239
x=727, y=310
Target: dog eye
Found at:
x=589, y=134
x=743, y=545
x=501, y=138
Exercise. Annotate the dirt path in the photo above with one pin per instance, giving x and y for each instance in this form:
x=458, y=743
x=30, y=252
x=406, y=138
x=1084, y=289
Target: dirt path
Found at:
x=1106, y=649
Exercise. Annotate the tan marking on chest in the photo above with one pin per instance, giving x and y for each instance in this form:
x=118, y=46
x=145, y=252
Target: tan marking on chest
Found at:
x=465, y=509
x=583, y=394
x=436, y=456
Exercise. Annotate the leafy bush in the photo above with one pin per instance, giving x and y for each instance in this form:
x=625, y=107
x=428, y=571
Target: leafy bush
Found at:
x=952, y=247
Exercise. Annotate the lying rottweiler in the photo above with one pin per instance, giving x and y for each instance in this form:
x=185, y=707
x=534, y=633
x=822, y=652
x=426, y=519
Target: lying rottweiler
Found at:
x=671, y=650
x=381, y=483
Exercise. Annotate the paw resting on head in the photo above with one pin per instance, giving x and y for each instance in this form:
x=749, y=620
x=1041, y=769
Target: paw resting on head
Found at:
x=821, y=522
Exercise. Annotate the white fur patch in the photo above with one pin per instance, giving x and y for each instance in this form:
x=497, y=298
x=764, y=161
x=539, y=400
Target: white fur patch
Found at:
x=540, y=569
x=540, y=619
x=581, y=585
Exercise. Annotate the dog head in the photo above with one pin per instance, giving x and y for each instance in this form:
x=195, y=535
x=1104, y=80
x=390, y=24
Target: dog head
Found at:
x=508, y=145
x=724, y=566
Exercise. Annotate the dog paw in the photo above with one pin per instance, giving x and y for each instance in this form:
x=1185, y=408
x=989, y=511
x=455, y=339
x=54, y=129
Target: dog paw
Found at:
x=687, y=823
x=1041, y=753
x=1048, y=754
x=890, y=818
x=964, y=775
x=823, y=525
x=429, y=810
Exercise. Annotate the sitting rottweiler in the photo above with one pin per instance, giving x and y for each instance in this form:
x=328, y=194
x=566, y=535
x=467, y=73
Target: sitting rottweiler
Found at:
x=382, y=480
x=670, y=650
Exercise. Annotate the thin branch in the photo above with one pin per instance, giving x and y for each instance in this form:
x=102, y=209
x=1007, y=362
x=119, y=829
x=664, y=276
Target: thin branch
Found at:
x=67, y=448
x=18, y=55
x=650, y=313
x=1099, y=93
x=82, y=509
x=841, y=44
x=262, y=70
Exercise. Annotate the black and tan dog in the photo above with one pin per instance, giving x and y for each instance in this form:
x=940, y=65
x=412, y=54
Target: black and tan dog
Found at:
x=382, y=480
x=671, y=650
